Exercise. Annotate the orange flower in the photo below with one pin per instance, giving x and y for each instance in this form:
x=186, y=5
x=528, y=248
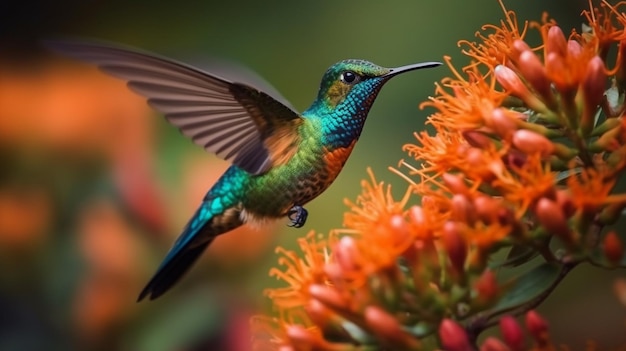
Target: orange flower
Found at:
x=495, y=47
x=299, y=273
x=379, y=224
x=495, y=175
x=525, y=184
x=438, y=153
x=602, y=32
x=591, y=189
x=373, y=208
x=470, y=103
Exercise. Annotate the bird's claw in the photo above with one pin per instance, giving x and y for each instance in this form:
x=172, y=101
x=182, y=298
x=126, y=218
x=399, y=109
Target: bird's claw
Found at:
x=297, y=215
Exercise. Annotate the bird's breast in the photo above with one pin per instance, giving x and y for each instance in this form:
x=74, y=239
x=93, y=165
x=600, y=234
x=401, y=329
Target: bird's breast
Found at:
x=308, y=173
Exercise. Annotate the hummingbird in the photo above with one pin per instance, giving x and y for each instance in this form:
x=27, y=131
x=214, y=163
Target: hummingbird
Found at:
x=281, y=159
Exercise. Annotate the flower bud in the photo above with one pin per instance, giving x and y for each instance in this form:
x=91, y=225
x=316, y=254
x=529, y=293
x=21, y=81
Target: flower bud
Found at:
x=327, y=296
x=388, y=328
x=531, y=142
x=487, y=208
x=319, y=314
x=346, y=253
x=302, y=338
x=417, y=216
x=462, y=210
x=534, y=72
x=593, y=87
x=493, y=344
x=557, y=71
x=455, y=245
x=537, y=327
x=503, y=124
x=574, y=49
x=486, y=287
x=556, y=42
x=399, y=230
x=512, y=333
x=564, y=200
x=511, y=82
x=518, y=47
x=453, y=336
x=477, y=139
x=613, y=248
x=552, y=218
x=455, y=183
x=334, y=272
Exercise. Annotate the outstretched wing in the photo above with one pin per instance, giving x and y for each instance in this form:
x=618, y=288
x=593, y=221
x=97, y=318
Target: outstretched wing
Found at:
x=232, y=120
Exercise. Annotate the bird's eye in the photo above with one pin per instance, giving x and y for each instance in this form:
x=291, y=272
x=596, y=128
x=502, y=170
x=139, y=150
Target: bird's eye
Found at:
x=349, y=77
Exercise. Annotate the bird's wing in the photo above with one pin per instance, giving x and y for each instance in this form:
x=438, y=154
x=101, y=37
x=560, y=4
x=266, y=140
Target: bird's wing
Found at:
x=232, y=120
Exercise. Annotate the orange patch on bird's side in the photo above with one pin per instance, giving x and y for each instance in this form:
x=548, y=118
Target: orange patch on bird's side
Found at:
x=283, y=143
x=335, y=159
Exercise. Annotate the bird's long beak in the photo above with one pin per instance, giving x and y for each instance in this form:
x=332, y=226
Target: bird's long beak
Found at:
x=402, y=69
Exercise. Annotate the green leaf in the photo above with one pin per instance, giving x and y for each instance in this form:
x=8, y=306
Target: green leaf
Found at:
x=517, y=256
x=528, y=286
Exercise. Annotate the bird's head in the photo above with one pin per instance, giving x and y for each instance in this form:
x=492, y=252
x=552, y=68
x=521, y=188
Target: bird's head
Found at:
x=348, y=90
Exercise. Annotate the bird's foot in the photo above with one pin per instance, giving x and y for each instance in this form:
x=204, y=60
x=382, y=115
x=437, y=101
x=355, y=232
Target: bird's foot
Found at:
x=297, y=215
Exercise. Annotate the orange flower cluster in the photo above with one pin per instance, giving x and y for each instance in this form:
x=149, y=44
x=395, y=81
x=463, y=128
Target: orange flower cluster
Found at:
x=529, y=146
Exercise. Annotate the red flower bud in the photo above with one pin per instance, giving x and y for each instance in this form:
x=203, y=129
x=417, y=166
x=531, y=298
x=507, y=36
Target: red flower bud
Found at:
x=613, y=248
x=520, y=46
x=486, y=286
x=511, y=82
x=319, y=313
x=462, y=210
x=301, y=338
x=503, y=124
x=537, y=327
x=453, y=336
x=552, y=218
x=477, y=139
x=574, y=49
x=417, y=216
x=493, y=344
x=556, y=42
x=455, y=183
x=399, y=230
x=535, y=74
x=564, y=200
x=327, y=296
x=531, y=142
x=455, y=245
x=388, y=328
x=487, y=208
x=346, y=253
x=593, y=87
x=512, y=333
x=556, y=69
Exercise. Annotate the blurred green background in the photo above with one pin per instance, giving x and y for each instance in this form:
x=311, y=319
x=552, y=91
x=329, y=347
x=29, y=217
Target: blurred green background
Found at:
x=94, y=186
